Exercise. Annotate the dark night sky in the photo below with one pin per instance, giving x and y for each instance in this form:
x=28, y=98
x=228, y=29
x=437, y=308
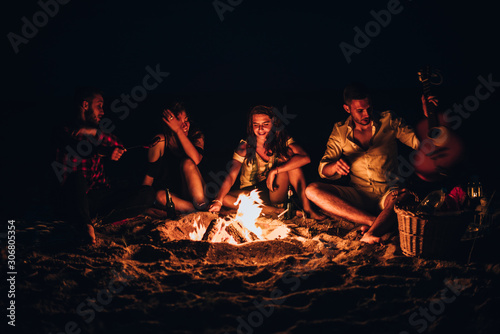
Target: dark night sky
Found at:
x=286, y=45
x=284, y=52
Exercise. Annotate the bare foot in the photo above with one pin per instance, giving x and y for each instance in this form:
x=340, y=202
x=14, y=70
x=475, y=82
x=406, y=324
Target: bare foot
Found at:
x=90, y=234
x=370, y=239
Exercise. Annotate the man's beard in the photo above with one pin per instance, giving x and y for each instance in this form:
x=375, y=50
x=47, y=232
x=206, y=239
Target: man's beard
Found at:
x=366, y=121
x=363, y=121
x=90, y=119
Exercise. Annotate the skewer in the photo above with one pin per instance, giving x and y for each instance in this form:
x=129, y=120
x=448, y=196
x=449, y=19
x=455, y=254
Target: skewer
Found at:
x=155, y=141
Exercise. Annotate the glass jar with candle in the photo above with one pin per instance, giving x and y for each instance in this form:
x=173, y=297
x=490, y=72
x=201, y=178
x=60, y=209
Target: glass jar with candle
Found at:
x=475, y=188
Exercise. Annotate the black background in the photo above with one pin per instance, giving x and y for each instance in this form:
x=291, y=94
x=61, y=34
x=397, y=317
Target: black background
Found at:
x=281, y=53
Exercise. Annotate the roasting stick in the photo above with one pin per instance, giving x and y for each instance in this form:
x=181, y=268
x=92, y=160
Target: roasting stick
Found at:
x=281, y=214
x=155, y=141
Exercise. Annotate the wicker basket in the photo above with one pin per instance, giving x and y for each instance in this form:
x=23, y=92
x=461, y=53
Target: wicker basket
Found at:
x=431, y=235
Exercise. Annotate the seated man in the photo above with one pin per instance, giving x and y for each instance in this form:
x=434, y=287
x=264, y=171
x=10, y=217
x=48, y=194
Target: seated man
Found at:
x=80, y=148
x=364, y=147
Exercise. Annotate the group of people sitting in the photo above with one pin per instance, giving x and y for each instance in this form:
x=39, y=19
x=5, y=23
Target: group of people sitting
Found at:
x=363, y=146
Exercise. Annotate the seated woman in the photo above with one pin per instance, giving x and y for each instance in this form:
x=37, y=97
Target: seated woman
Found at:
x=269, y=160
x=173, y=162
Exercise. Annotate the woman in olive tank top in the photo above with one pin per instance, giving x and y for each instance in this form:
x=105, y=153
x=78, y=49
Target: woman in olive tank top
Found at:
x=268, y=160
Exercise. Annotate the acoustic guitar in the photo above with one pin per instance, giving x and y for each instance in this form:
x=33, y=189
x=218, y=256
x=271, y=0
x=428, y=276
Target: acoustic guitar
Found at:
x=440, y=149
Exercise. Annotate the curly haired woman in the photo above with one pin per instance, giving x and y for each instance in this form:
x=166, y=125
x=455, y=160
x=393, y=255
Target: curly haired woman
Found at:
x=269, y=160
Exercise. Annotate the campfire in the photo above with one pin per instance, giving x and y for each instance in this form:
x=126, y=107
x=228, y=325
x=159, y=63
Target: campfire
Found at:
x=243, y=227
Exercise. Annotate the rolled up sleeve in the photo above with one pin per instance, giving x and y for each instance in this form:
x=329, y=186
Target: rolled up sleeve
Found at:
x=404, y=133
x=332, y=154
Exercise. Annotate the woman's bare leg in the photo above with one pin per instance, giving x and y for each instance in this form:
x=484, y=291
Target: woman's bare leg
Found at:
x=193, y=183
x=231, y=198
x=181, y=205
x=281, y=183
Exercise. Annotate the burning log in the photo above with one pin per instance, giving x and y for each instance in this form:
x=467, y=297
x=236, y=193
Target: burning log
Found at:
x=232, y=228
x=244, y=231
x=241, y=228
x=211, y=231
x=239, y=233
x=253, y=236
x=237, y=236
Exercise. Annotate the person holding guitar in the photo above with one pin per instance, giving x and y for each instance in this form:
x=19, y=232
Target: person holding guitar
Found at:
x=441, y=150
x=365, y=148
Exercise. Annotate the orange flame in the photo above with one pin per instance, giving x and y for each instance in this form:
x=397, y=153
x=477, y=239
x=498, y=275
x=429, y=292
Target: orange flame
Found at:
x=249, y=209
x=199, y=230
x=220, y=235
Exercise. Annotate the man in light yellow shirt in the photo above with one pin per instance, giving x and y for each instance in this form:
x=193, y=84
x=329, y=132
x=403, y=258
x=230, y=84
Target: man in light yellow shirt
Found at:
x=365, y=148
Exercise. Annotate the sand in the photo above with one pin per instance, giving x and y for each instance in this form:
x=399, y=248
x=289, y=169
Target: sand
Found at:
x=144, y=276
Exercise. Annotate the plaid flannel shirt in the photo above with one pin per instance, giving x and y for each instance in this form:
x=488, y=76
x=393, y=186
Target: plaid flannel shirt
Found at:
x=85, y=153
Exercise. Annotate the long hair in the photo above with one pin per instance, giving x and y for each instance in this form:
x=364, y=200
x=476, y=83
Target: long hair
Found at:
x=275, y=143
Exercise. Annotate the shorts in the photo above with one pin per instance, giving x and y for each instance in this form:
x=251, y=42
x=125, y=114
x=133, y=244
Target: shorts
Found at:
x=359, y=198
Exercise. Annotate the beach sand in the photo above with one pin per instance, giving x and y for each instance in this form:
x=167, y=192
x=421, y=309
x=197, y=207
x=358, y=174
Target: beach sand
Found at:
x=145, y=276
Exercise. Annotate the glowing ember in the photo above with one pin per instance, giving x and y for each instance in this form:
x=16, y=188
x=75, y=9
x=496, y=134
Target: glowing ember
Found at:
x=249, y=209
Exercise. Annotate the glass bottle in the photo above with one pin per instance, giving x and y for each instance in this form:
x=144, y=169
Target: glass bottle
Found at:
x=171, y=214
x=289, y=214
x=432, y=202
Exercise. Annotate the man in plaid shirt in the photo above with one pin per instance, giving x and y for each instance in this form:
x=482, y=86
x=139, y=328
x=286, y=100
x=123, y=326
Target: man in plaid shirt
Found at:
x=91, y=166
x=81, y=147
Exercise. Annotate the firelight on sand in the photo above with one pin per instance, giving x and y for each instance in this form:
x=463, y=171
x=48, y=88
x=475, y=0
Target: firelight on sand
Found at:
x=245, y=226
